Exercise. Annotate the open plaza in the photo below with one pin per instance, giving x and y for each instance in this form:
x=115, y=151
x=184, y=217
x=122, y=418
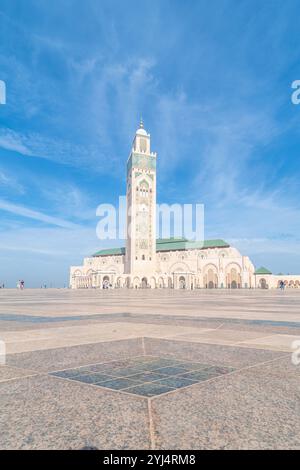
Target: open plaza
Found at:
x=150, y=369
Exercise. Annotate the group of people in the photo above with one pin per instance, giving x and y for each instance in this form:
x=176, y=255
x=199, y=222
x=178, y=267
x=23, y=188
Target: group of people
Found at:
x=20, y=285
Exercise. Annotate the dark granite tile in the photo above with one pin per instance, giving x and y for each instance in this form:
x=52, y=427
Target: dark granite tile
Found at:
x=69, y=373
x=147, y=376
x=163, y=362
x=176, y=382
x=122, y=372
x=149, y=389
x=91, y=378
x=122, y=364
x=171, y=370
x=118, y=384
x=98, y=367
x=146, y=366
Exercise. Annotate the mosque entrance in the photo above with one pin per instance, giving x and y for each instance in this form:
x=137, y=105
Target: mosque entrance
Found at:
x=182, y=282
x=144, y=283
x=211, y=278
x=105, y=283
x=263, y=284
x=233, y=277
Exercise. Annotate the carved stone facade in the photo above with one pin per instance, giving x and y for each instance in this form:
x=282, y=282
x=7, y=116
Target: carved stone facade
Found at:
x=141, y=206
x=172, y=263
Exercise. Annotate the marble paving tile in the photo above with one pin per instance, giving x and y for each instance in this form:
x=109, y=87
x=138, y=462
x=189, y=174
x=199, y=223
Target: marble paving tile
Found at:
x=220, y=336
x=232, y=356
x=90, y=378
x=201, y=375
x=112, y=365
x=124, y=372
x=171, y=370
x=275, y=342
x=118, y=384
x=255, y=408
x=190, y=366
x=7, y=373
x=149, y=389
x=144, y=359
x=69, y=373
x=220, y=369
x=176, y=382
x=45, y=412
x=147, y=376
x=71, y=357
x=128, y=377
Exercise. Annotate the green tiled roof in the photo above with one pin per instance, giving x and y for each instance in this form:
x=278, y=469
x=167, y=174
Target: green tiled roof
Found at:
x=171, y=244
x=110, y=252
x=262, y=270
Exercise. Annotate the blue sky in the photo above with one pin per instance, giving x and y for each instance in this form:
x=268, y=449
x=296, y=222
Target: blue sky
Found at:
x=213, y=83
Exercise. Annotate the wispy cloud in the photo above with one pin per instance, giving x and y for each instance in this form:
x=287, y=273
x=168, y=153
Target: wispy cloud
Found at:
x=40, y=146
x=10, y=140
x=8, y=181
x=36, y=215
x=69, y=201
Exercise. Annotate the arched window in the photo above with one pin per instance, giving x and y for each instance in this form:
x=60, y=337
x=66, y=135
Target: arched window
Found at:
x=143, y=145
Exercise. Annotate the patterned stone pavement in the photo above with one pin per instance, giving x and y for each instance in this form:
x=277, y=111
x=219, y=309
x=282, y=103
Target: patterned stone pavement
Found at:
x=152, y=370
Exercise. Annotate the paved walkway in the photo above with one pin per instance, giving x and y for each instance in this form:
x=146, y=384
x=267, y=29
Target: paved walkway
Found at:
x=248, y=396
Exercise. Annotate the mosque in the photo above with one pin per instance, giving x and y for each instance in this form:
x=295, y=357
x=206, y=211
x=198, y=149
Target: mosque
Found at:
x=176, y=263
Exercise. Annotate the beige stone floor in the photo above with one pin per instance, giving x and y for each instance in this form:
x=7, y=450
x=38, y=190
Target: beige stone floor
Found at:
x=244, y=304
x=254, y=406
x=62, y=304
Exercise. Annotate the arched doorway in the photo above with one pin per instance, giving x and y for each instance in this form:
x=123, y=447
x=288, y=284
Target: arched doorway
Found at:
x=211, y=278
x=105, y=282
x=182, y=283
x=263, y=284
x=233, y=277
x=144, y=283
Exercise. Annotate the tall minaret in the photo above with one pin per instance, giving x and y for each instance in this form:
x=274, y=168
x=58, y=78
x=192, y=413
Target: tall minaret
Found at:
x=141, y=207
